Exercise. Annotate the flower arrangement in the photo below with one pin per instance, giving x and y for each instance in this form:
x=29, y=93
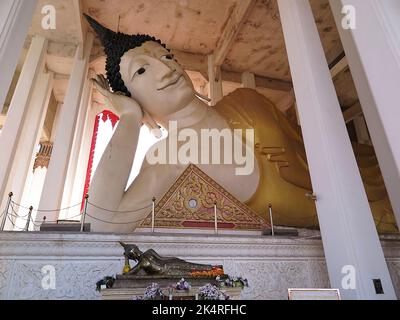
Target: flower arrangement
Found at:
x=232, y=282
x=153, y=292
x=106, y=281
x=183, y=285
x=214, y=272
x=211, y=292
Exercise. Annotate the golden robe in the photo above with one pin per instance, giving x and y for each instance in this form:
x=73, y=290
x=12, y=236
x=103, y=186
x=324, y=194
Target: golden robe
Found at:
x=284, y=175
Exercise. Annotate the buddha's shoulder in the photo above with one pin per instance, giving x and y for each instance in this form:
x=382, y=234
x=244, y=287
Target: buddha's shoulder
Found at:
x=149, y=253
x=243, y=98
x=245, y=106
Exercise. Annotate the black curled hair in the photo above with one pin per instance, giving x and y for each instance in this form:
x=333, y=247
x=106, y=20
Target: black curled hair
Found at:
x=115, y=45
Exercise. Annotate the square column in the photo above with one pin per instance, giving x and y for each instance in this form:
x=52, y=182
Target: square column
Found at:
x=34, y=184
x=353, y=252
x=373, y=52
x=15, y=19
x=80, y=178
x=11, y=132
x=29, y=139
x=75, y=154
x=54, y=184
x=248, y=80
x=214, y=81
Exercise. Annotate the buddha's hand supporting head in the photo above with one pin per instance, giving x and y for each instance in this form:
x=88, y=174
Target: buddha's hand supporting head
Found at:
x=141, y=67
x=122, y=103
x=118, y=100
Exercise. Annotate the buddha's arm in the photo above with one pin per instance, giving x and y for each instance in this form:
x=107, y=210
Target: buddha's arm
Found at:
x=112, y=174
x=137, y=267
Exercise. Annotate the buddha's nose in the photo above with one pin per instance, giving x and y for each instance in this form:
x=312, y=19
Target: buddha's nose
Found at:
x=166, y=72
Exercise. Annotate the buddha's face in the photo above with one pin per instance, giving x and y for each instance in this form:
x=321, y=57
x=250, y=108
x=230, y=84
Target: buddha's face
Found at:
x=135, y=253
x=157, y=82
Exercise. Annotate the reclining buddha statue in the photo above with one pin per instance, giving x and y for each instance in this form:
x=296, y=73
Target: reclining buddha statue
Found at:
x=151, y=263
x=146, y=85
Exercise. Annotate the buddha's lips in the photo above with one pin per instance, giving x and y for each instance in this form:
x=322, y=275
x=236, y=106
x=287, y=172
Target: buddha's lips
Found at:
x=171, y=83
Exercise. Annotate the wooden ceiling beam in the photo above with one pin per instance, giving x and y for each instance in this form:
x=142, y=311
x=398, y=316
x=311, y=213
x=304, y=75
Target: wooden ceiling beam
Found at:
x=237, y=17
x=81, y=26
x=354, y=111
x=261, y=82
x=339, y=67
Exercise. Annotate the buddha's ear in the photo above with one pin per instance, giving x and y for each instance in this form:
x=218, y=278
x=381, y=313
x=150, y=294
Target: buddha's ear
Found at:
x=151, y=124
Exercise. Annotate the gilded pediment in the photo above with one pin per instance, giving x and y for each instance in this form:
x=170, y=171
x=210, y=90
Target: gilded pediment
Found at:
x=189, y=203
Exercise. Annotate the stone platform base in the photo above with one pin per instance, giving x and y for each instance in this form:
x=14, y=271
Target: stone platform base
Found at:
x=67, y=265
x=126, y=287
x=127, y=282
x=130, y=293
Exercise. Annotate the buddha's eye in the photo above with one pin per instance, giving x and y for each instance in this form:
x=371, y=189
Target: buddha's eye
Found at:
x=140, y=71
x=167, y=57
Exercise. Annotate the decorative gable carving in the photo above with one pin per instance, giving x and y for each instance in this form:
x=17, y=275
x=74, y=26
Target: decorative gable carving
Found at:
x=189, y=203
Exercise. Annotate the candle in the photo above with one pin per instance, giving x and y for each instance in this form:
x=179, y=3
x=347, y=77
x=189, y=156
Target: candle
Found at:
x=215, y=218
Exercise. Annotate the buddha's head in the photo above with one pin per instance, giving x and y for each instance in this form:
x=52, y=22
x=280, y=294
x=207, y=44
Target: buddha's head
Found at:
x=134, y=252
x=141, y=67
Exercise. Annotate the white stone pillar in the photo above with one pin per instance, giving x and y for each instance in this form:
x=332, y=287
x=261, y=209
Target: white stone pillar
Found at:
x=56, y=122
x=214, y=81
x=10, y=134
x=53, y=188
x=77, y=144
x=15, y=19
x=347, y=228
x=32, y=195
x=34, y=186
x=79, y=183
x=373, y=53
x=248, y=80
x=29, y=139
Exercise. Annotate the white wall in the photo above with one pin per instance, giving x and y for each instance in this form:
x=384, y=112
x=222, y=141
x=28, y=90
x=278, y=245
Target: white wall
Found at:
x=81, y=259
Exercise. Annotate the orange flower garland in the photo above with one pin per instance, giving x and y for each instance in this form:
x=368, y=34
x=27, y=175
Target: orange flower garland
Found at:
x=214, y=272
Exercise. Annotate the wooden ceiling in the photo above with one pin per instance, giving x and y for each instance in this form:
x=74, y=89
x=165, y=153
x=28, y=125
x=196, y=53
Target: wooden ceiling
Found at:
x=194, y=28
